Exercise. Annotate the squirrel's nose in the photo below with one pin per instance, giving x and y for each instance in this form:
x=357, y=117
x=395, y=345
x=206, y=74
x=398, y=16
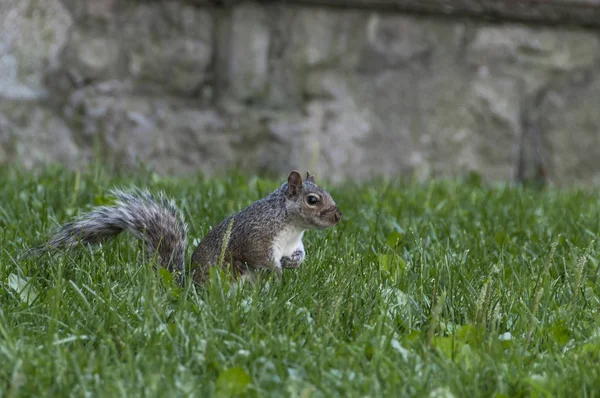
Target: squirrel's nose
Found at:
x=337, y=216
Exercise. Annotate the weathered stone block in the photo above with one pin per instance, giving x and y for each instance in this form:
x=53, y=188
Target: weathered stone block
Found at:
x=303, y=40
x=326, y=84
x=569, y=124
x=96, y=9
x=532, y=54
x=33, y=136
x=400, y=41
x=320, y=37
x=169, y=46
x=334, y=131
x=249, y=56
x=555, y=49
x=470, y=124
x=416, y=110
x=393, y=41
x=32, y=34
x=165, y=133
x=92, y=55
x=393, y=146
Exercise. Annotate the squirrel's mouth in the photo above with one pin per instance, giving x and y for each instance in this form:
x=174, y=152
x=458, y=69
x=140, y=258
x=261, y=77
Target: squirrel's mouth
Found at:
x=337, y=216
x=331, y=217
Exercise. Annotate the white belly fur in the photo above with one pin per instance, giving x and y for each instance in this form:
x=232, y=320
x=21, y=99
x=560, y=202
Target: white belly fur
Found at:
x=287, y=242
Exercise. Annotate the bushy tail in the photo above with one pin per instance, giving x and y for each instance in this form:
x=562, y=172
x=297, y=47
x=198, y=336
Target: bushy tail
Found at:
x=153, y=219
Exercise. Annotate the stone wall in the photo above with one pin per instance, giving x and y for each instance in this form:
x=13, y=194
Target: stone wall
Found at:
x=348, y=93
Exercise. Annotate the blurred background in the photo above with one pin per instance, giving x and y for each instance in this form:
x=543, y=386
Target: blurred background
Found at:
x=506, y=89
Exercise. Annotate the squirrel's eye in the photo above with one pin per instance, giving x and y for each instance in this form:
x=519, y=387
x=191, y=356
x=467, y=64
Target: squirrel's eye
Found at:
x=312, y=200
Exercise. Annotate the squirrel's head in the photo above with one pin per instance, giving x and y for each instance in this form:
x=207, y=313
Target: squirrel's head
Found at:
x=313, y=206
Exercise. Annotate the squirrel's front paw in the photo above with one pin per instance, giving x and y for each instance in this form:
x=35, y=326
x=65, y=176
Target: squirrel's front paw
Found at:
x=293, y=261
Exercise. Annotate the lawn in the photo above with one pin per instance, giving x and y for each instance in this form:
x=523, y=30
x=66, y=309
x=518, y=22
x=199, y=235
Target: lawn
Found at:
x=437, y=289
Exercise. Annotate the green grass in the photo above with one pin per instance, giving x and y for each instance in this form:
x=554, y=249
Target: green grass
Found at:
x=449, y=288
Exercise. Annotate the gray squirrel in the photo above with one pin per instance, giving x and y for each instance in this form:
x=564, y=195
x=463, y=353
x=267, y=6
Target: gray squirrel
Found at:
x=265, y=235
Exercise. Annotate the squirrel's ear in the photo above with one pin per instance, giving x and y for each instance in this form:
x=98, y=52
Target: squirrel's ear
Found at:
x=310, y=177
x=294, y=183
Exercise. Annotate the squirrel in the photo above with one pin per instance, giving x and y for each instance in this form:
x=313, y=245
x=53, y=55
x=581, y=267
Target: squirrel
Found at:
x=265, y=235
